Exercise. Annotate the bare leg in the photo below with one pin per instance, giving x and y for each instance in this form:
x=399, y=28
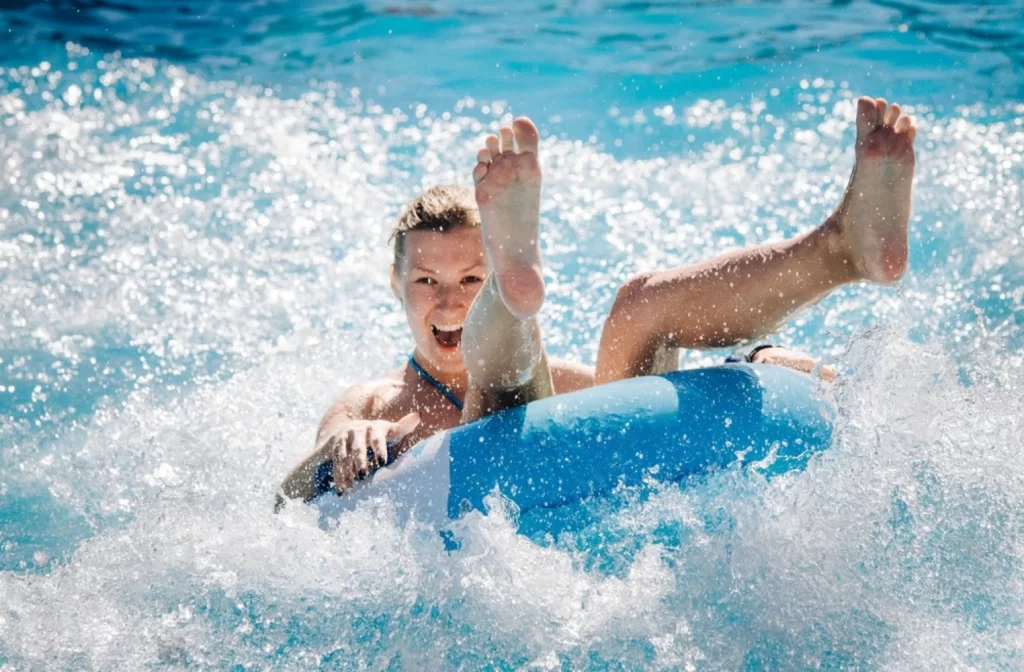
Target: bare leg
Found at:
x=501, y=341
x=740, y=296
x=504, y=356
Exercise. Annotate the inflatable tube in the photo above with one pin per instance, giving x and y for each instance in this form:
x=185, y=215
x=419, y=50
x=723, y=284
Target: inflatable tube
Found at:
x=560, y=450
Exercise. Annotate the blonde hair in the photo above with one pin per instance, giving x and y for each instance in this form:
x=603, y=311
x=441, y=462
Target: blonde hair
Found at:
x=441, y=208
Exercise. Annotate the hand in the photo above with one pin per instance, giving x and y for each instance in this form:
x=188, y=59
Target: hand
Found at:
x=792, y=359
x=346, y=442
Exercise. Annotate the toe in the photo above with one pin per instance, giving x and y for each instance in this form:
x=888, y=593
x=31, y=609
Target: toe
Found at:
x=507, y=144
x=484, y=156
x=493, y=145
x=867, y=116
x=902, y=124
x=527, y=137
x=480, y=172
x=892, y=114
x=911, y=132
x=880, y=107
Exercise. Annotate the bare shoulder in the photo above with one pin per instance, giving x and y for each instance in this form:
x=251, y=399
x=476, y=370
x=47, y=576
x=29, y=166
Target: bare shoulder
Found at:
x=569, y=376
x=367, y=400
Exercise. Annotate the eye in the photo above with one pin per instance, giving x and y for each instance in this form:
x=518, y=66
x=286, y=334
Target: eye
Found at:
x=425, y=281
x=471, y=279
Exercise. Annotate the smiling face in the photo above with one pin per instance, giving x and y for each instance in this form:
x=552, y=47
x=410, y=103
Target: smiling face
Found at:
x=437, y=277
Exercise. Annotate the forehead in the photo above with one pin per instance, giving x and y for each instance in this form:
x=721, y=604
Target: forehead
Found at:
x=437, y=250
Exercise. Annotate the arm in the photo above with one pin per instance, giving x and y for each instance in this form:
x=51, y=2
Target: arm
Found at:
x=569, y=376
x=300, y=483
x=355, y=445
x=793, y=359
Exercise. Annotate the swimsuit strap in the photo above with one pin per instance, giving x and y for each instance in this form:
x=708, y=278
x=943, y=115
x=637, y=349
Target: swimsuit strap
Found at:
x=438, y=385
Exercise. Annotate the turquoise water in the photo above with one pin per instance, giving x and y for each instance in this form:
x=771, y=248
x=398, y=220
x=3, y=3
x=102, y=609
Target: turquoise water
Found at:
x=194, y=203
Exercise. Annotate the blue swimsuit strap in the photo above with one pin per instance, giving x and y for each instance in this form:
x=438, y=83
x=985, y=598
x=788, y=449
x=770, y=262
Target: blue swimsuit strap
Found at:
x=438, y=385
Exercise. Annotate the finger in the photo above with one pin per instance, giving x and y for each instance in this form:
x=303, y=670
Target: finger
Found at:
x=507, y=144
x=480, y=172
x=348, y=469
x=493, y=145
x=348, y=476
x=357, y=452
x=379, y=444
x=892, y=114
x=340, y=471
x=398, y=430
x=526, y=135
x=340, y=478
x=352, y=455
x=827, y=373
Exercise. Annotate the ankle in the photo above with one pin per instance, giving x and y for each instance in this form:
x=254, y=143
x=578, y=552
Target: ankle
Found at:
x=835, y=251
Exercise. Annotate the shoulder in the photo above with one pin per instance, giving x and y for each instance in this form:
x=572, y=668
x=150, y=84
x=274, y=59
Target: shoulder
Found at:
x=366, y=400
x=569, y=376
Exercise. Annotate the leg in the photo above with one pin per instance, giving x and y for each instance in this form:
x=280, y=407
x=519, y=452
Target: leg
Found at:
x=743, y=295
x=504, y=356
x=501, y=341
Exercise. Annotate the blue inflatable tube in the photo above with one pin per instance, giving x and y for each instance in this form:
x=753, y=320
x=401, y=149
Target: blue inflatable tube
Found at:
x=561, y=450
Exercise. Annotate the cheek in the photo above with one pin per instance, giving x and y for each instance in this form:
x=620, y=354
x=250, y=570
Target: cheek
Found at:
x=417, y=305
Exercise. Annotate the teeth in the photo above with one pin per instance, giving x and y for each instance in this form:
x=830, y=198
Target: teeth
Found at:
x=447, y=327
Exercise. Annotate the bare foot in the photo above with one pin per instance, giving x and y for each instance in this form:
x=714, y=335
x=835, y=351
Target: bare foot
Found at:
x=872, y=218
x=508, y=178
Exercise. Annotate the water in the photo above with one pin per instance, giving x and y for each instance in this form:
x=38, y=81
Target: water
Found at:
x=194, y=202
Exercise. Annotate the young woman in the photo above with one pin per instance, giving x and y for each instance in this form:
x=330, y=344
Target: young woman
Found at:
x=469, y=279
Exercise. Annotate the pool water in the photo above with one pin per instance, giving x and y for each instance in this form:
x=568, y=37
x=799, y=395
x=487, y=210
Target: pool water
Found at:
x=194, y=206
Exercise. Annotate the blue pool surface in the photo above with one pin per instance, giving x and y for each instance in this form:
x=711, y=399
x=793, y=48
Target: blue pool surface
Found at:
x=194, y=206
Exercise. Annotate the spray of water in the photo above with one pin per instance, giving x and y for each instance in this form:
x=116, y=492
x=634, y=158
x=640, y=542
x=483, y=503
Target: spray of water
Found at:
x=190, y=264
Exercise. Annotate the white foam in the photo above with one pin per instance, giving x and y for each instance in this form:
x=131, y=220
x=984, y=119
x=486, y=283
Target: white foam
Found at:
x=242, y=258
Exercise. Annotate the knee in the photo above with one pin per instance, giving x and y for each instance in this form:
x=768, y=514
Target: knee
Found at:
x=634, y=286
x=632, y=295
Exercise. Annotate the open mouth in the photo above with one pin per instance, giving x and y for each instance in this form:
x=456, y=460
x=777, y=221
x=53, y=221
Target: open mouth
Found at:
x=448, y=337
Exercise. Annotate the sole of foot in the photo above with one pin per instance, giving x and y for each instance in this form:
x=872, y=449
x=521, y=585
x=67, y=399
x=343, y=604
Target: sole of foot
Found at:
x=508, y=181
x=875, y=212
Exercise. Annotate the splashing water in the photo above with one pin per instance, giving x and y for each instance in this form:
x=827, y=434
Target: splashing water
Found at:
x=189, y=261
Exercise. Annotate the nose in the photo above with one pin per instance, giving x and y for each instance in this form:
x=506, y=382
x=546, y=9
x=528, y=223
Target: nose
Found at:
x=451, y=296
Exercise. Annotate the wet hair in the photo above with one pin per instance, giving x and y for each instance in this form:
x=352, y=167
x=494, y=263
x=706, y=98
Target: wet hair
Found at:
x=440, y=208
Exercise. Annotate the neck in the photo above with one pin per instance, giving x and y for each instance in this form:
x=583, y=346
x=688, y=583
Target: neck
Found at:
x=457, y=383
